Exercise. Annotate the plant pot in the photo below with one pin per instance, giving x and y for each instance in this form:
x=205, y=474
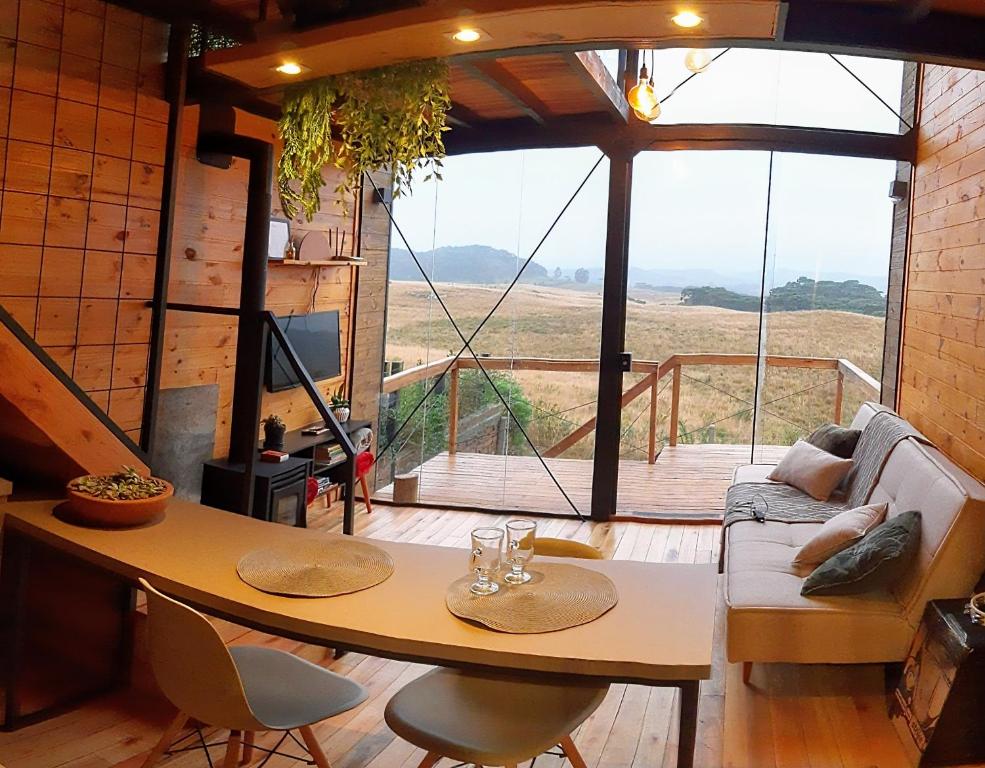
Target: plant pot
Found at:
x=273, y=436
x=342, y=413
x=113, y=513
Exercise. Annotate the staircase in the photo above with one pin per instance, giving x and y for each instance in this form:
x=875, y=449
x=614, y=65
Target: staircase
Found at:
x=50, y=430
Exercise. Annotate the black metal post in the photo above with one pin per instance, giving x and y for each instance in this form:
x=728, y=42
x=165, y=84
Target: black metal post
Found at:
x=251, y=341
x=177, y=80
x=605, y=481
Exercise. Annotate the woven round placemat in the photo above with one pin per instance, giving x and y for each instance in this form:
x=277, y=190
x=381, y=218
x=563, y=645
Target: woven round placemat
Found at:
x=321, y=567
x=559, y=596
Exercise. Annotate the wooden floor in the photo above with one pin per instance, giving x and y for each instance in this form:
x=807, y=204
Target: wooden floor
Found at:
x=790, y=717
x=686, y=481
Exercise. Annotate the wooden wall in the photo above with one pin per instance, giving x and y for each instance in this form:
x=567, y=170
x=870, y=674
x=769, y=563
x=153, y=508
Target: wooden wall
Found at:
x=942, y=388
x=82, y=140
x=206, y=264
x=82, y=130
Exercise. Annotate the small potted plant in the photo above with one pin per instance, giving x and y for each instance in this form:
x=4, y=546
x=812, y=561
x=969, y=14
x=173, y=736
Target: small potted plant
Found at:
x=340, y=406
x=118, y=500
x=273, y=432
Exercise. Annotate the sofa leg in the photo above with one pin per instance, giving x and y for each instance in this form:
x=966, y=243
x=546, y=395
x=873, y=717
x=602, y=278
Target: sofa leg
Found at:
x=746, y=672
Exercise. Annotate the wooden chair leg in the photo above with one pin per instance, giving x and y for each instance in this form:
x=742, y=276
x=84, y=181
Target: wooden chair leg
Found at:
x=572, y=753
x=167, y=738
x=311, y=742
x=366, y=501
x=746, y=672
x=430, y=760
x=248, y=739
x=232, y=750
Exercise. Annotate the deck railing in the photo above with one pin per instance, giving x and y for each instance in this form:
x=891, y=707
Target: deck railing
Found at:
x=655, y=372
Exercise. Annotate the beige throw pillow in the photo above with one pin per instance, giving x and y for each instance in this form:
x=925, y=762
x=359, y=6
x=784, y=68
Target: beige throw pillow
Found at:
x=838, y=533
x=811, y=470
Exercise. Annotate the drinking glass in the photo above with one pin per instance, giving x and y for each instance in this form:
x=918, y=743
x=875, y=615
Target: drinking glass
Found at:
x=520, y=535
x=487, y=552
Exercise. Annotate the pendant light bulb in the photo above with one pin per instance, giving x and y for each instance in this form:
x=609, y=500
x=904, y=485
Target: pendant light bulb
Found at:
x=641, y=97
x=697, y=60
x=648, y=117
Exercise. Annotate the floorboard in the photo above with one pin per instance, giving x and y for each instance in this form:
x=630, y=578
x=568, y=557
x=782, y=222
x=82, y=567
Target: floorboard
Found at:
x=801, y=717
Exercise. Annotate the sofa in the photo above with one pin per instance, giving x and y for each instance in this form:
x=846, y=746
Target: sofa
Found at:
x=769, y=621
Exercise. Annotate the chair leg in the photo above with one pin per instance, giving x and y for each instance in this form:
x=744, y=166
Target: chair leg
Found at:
x=248, y=739
x=366, y=501
x=572, y=753
x=311, y=742
x=167, y=738
x=232, y=750
x=746, y=672
x=430, y=760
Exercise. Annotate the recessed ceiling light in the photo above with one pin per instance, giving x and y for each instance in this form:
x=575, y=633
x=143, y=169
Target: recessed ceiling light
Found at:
x=687, y=19
x=467, y=35
x=290, y=68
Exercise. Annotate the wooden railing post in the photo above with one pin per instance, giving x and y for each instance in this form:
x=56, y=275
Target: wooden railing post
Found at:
x=675, y=404
x=453, y=411
x=839, y=396
x=651, y=447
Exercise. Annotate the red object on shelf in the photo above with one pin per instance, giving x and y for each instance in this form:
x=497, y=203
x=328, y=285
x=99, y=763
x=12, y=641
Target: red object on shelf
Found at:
x=312, y=490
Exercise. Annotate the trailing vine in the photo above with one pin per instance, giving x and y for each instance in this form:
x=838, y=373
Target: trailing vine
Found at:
x=391, y=117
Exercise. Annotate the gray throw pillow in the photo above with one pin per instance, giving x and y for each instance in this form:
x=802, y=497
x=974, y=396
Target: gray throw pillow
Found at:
x=876, y=561
x=834, y=439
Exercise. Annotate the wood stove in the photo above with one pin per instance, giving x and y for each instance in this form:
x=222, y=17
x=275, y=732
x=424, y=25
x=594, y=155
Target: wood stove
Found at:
x=280, y=490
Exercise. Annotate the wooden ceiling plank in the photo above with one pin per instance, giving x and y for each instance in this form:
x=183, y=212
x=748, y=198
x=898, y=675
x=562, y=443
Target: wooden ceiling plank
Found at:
x=590, y=67
x=425, y=31
x=493, y=73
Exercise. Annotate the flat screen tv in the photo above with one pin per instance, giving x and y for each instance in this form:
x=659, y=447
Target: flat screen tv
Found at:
x=315, y=338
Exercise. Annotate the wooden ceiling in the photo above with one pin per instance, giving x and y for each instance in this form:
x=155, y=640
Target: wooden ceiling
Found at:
x=425, y=31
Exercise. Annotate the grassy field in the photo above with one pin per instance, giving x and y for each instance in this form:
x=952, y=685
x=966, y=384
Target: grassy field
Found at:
x=538, y=321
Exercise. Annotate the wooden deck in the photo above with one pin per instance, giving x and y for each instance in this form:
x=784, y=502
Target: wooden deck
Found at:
x=790, y=717
x=686, y=482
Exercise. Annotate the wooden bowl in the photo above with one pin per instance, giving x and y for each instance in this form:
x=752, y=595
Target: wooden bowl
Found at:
x=112, y=513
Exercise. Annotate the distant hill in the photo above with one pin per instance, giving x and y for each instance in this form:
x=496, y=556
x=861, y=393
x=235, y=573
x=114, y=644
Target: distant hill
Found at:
x=797, y=295
x=476, y=264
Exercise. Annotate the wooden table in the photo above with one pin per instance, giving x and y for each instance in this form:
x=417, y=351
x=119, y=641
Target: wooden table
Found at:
x=67, y=594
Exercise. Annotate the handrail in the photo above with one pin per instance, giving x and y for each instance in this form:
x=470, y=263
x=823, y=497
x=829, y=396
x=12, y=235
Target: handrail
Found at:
x=655, y=371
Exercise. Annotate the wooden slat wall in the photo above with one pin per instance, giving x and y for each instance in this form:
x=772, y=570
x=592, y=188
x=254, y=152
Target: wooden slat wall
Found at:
x=81, y=147
x=942, y=387
x=206, y=264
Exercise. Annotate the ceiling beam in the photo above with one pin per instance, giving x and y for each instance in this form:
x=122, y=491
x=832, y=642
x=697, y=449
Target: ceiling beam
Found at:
x=492, y=73
x=910, y=29
x=638, y=136
x=212, y=88
x=197, y=12
x=607, y=92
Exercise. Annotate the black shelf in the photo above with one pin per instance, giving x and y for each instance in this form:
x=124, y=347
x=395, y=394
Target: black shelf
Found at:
x=295, y=442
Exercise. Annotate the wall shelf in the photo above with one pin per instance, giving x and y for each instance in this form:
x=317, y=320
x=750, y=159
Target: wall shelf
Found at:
x=326, y=263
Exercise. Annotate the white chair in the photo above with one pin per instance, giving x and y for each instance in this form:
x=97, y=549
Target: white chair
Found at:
x=493, y=720
x=242, y=688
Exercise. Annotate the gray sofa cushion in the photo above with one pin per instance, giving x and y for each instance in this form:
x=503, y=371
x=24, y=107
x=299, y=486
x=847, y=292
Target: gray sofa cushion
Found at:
x=834, y=439
x=875, y=562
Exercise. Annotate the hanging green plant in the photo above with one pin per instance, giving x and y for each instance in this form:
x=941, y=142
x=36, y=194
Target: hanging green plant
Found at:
x=392, y=117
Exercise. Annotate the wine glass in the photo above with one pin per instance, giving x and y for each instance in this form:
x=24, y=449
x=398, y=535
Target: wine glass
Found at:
x=487, y=552
x=520, y=535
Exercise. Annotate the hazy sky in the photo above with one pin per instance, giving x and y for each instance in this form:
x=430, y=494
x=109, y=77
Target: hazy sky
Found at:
x=693, y=209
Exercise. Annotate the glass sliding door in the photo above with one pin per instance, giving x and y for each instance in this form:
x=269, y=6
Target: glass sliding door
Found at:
x=496, y=425
x=827, y=267
x=698, y=228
